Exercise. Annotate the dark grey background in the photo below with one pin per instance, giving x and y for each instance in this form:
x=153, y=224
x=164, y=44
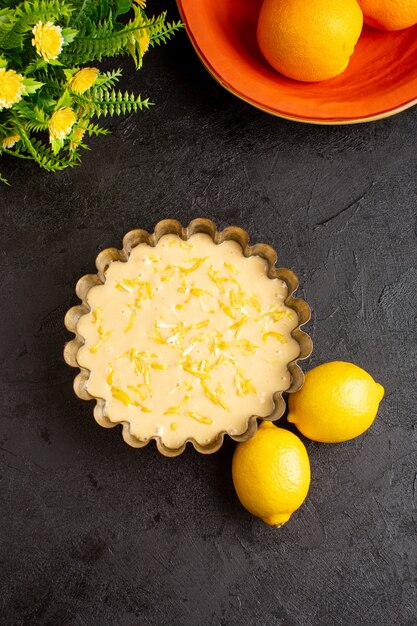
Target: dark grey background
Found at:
x=96, y=533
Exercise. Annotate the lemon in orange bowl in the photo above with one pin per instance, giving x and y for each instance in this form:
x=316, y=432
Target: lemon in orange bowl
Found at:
x=271, y=474
x=309, y=40
x=338, y=401
x=389, y=14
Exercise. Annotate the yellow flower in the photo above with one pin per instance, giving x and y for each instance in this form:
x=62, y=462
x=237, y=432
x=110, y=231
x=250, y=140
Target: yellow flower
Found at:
x=10, y=141
x=143, y=38
x=48, y=40
x=11, y=88
x=77, y=135
x=84, y=79
x=61, y=123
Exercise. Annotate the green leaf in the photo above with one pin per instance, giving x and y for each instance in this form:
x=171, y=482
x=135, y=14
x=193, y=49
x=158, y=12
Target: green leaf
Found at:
x=35, y=120
x=57, y=145
x=64, y=101
x=69, y=73
x=54, y=62
x=87, y=10
x=69, y=34
x=45, y=100
x=94, y=129
x=104, y=38
x=122, y=7
x=4, y=180
x=110, y=102
x=108, y=79
x=32, y=85
x=6, y=16
x=165, y=33
x=35, y=66
x=103, y=9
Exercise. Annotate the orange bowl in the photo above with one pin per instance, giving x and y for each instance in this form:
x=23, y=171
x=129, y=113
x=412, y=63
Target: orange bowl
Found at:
x=381, y=78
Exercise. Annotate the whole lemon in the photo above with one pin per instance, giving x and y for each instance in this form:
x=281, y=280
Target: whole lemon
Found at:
x=389, y=14
x=271, y=474
x=309, y=40
x=337, y=402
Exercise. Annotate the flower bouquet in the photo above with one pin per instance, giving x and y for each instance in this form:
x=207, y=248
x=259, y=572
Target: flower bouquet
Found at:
x=48, y=95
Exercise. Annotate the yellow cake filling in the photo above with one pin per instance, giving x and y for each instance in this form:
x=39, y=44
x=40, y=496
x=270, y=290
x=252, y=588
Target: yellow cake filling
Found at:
x=187, y=340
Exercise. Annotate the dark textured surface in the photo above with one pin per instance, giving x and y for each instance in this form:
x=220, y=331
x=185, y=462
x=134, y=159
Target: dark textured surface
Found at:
x=96, y=533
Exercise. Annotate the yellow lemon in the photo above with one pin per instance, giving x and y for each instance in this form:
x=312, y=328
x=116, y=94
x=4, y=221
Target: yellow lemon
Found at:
x=309, y=40
x=271, y=474
x=337, y=402
x=389, y=14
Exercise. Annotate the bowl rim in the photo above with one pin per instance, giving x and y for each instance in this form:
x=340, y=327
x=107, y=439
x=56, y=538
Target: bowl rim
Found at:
x=383, y=114
x=171, y=226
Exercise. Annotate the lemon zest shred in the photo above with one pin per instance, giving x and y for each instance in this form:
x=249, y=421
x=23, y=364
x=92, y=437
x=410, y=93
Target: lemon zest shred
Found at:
x=243, y=385
x=103, y=337
x=144, y=288
x=197, y=262
x=227, y=310
x=271, y=333
x=217, y=280
x=238, y=325
x=220, y=359
x=214, y=397
x=183, y=244
x=244, y=345
x=158, y=366
x=168, y=273
x=195, y=372
x=130, y=322
x=202, y=419
x=248, y=387
x=210, y=394
x=237, y=298
x=157, y=337
x=128, y=282
x=254, y=303
x=142, y=362
x=121, y=395
x=197, y=293
x=174, y=410
x=97, y=315
x=275, y=314
x=138, y=391
x=144, y=409
x=202, y=324
x=199, y=370
x=120, y=287
x=197, y=338
x=110, y=376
